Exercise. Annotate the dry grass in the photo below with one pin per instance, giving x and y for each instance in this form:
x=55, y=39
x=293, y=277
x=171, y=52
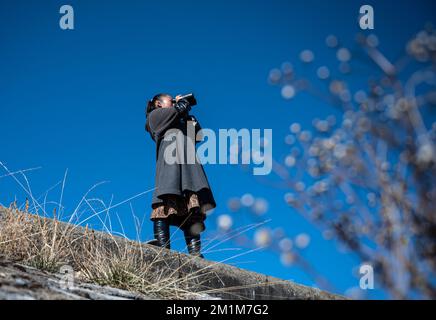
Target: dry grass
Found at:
x=97, y=257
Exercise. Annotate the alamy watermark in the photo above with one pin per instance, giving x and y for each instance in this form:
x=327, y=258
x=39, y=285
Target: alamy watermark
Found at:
x=66, y=274
x=231, y=145
x=366, y=276
x=66, y=21
x=366, y=20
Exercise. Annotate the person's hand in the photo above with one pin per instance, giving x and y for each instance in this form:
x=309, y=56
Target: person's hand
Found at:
x=182, y=106
x=178, y=97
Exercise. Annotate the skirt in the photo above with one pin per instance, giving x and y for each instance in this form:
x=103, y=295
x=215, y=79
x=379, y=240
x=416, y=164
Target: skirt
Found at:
x=184, y=211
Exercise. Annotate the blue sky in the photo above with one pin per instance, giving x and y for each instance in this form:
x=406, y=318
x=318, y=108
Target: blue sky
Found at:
x=75, y=99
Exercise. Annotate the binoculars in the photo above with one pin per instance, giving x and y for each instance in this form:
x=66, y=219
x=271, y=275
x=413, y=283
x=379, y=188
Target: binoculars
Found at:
x=189, y=97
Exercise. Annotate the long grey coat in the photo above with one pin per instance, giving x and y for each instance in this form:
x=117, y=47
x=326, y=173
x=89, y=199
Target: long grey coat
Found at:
x=176, y=178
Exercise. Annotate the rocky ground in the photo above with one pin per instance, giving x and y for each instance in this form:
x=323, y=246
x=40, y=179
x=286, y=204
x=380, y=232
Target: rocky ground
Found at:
x=20, y=282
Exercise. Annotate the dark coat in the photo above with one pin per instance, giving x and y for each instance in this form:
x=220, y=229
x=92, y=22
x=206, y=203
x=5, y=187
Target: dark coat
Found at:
x=176, y=178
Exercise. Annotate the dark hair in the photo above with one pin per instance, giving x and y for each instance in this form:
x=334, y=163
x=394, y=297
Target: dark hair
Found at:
x=151, y=105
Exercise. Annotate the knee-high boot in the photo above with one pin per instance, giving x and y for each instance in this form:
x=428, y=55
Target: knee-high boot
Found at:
x=161, y=229
x=193, y=242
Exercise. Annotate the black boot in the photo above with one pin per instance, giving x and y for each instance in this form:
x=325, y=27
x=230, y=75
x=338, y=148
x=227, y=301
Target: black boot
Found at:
x=194, y=243
x=161, y=230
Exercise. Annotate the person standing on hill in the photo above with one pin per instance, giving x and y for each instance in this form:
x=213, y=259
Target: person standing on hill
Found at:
x=182, y=195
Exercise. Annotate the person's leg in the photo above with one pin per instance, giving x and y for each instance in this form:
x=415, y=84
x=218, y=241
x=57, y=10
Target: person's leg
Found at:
x=193, y=242
x=192, y=232
x=161, y=229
